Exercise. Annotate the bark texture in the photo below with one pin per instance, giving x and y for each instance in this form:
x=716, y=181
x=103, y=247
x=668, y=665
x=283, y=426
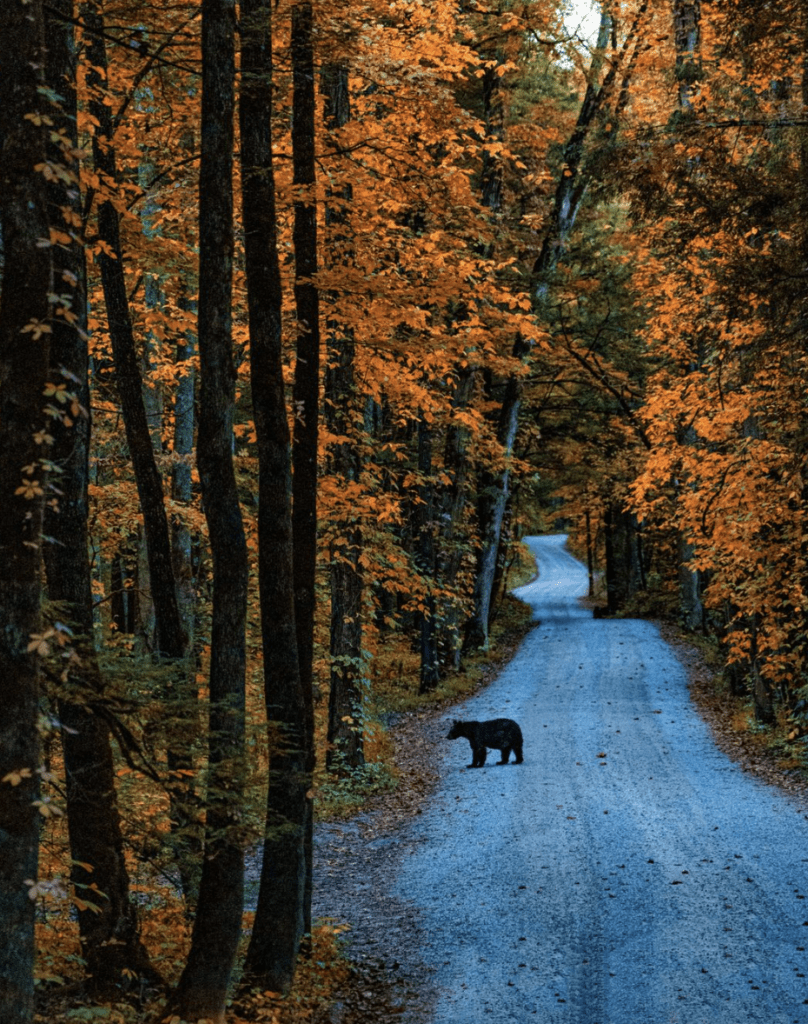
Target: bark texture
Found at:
x=280, y=917
x=345, y=705
x=307, y=304
x=203, y=987
x=24, y=358
x=307, y=382
x=109, y=934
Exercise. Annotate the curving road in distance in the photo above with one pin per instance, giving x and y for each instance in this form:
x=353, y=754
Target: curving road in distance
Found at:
x=628, y=872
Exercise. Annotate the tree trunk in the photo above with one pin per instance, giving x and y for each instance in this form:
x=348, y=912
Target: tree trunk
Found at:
x=169, y=638
x=307, y=369
x=184, y=808
x=762, y=696
x=426, y=617
x=590, y=554
x=623, y=565
x=691, y=610
x=345, y=703
x=454, y=505
x=110, y=942
x=686, y=26
x=306, y=392
x=280, y=917
x=491, y=504
x=202, y=989
x=345, y=711
x=24, y=309
x=182, y=488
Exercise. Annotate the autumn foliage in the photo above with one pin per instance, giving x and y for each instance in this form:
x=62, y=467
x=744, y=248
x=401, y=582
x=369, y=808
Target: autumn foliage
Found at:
x=278, y=439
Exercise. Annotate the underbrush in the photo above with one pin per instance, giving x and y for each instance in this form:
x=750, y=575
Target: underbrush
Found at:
x=785, y=747
x=780, y=746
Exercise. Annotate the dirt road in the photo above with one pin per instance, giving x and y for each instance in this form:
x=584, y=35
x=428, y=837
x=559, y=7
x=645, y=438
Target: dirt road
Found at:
x=627, y=872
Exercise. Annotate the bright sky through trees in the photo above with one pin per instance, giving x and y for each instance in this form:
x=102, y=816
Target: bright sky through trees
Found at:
x=582, y=18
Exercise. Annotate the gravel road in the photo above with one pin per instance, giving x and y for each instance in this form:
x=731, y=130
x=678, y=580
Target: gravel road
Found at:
x=628, y=872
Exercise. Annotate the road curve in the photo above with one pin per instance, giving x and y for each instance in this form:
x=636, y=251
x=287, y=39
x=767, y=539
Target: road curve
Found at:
x=627, y=872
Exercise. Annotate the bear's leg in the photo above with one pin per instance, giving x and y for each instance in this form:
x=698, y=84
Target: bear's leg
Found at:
x=506, y=753
x=517, y=748
x=478, y=760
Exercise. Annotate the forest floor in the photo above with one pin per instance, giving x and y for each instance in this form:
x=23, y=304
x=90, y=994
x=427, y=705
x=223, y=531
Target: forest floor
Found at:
x=355, y=860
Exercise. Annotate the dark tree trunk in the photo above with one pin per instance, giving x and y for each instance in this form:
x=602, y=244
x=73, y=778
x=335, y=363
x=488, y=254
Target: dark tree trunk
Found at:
x=762, y=696
x=122, y=597
x=280, y=917
x=169, y=638
x=623, y=562
x=425, y=543
x=24, y=356
x=307, y=370
x=110, y=941
x=307, y=379
x=202, y=989
x=454, y=505
x=307, y=303
x=345, y=711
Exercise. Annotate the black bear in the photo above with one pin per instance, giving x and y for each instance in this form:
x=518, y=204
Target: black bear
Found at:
x=502, y=734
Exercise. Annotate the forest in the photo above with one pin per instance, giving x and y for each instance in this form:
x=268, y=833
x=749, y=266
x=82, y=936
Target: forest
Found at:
x=308, y=312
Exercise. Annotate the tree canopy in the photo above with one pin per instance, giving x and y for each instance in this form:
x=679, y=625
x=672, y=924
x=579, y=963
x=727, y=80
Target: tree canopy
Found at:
x=307, y=313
